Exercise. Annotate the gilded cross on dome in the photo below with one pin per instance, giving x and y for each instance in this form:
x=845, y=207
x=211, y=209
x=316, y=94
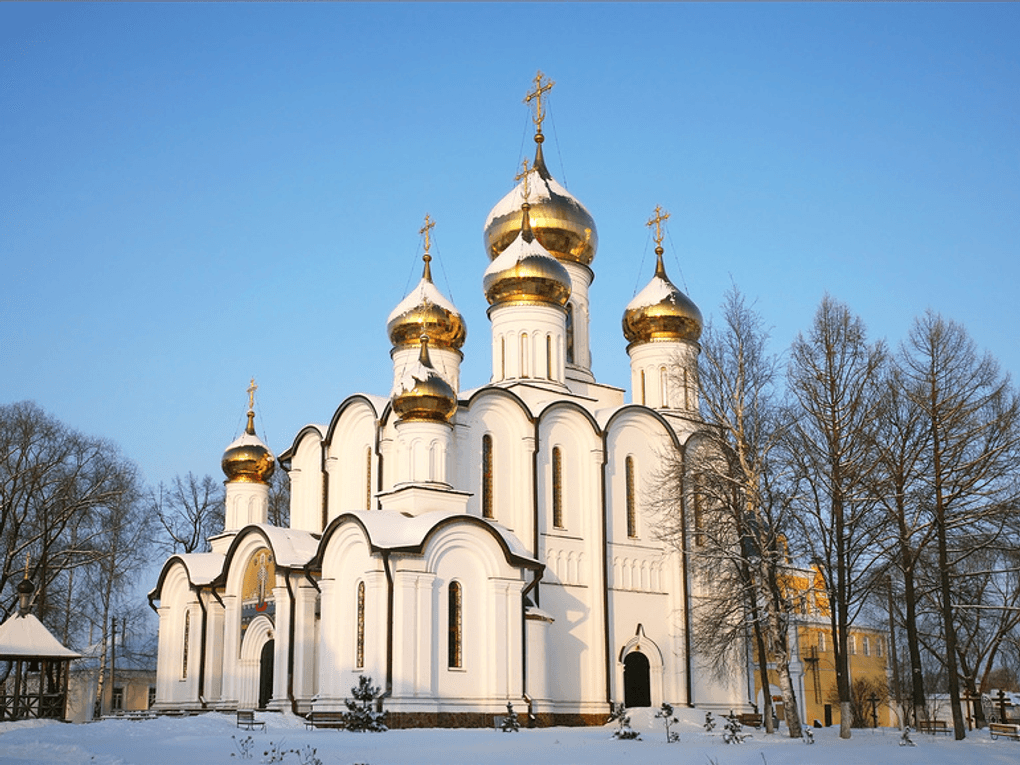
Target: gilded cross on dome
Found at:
x=523, y=175
x=660, y=217
x=251, y=394
x=426, y=230
x=536, y=96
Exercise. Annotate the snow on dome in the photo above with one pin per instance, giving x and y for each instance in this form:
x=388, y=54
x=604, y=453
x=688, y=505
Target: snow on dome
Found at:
x=661, y=312
x=658, y=290
x=425, y=292
x=526, y=272
x=539, y=190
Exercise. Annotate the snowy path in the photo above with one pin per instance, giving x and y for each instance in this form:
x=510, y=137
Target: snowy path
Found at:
x=206, y=739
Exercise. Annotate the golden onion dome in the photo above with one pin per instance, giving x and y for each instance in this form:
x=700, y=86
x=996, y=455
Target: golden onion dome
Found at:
x=422, y=393
x=426, y=310
x=248, y=460
x=560, y=222
x=661, y=311
x=525, y=272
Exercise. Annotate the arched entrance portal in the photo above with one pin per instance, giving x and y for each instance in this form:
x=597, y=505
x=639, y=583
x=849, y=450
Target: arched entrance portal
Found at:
x=266, y=674
x=637, y=689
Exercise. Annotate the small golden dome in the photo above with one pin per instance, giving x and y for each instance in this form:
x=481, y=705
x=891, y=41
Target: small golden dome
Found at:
x=525, y=272
x=425, y=310
x=422, y=393
x=560, y=222
x=248, y=460
x=661, y=311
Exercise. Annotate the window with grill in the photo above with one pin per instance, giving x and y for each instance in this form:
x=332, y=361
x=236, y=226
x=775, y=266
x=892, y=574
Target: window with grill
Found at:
x=631, y=503
x=487, y=511
x=359, y=659
x=455, y=658
x=557, y=487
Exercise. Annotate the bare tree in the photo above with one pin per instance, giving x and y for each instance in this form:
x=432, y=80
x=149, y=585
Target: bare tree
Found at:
x=190, y=510
x=972, y=416
x=54, y=482
x=738, y=549
x=833, y=376
x=901, y=446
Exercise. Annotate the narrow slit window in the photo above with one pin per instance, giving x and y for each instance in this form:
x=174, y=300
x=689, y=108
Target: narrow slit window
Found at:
x=557, y=487
x=631, y=504
x=570, y=333
x=524, y=355
x=548, y=357
x=187, y=639
x=359, y=659
x=455, y=637
x=487, y=511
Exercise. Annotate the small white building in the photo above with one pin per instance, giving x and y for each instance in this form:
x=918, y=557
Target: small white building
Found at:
x=465, y=547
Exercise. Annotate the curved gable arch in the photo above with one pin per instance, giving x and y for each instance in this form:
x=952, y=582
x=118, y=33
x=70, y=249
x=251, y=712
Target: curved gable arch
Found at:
x=349, y=448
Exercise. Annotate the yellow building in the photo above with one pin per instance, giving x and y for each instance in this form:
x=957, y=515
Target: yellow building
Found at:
x=813, y=668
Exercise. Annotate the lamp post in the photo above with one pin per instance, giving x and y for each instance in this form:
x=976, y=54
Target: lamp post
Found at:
x=874, y=709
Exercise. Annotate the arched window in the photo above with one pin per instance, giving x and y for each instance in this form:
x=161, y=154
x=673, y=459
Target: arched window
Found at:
x=663, y=387
x=502, y=358
x=548, y=358
x=631, y=504
x=368, y=477
x=821, y=642
x=359, y=659
x=570, y=333
x=878, y=647
x=643, y=401
x=557, y=488
x=455, y=616
x=853, y=645
x=487, y=511
x=866, y=645
x=525, y=345
x=187, y=639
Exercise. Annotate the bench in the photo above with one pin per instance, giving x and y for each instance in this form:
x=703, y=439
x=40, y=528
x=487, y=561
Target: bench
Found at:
x=325, y=720
x=750, y=719
x=933, y=726
x=1007, y=730
x=246, y=719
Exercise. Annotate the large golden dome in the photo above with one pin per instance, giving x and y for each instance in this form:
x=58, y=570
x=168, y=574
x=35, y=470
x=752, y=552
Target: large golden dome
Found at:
x=560, y=222
x=426, y=311
x=525, y=272
x=661, y=311
x=248, y=460
x=422, y=394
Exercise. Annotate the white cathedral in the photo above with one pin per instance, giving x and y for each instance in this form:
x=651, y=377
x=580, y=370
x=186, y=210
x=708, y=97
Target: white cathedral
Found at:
x=465, y=548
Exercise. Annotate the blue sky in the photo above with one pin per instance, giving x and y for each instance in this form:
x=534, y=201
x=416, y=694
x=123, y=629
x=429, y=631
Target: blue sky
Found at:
x=195, y=194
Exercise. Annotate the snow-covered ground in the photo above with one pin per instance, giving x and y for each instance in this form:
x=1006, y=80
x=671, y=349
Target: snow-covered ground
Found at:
x=213, y=738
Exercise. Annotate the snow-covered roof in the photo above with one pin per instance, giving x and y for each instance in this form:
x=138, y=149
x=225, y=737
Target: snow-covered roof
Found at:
x=202, y=567
x=24, y=636
x=425, y=292
x=388, y=529
x=291, y=547
x=247, y=439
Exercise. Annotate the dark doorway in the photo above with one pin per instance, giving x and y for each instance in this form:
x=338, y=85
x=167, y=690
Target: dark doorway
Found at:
x=637, y=690
x=828, y=715
x=266, y=674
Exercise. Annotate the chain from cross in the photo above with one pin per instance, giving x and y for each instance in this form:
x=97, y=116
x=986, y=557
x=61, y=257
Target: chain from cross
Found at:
x=523, y=175
x=426, y=230
x=536, y=96
x=657, y=220
x=251, y=394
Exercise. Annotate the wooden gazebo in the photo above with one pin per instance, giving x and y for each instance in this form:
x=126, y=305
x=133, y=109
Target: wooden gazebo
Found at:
x=36, y=685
